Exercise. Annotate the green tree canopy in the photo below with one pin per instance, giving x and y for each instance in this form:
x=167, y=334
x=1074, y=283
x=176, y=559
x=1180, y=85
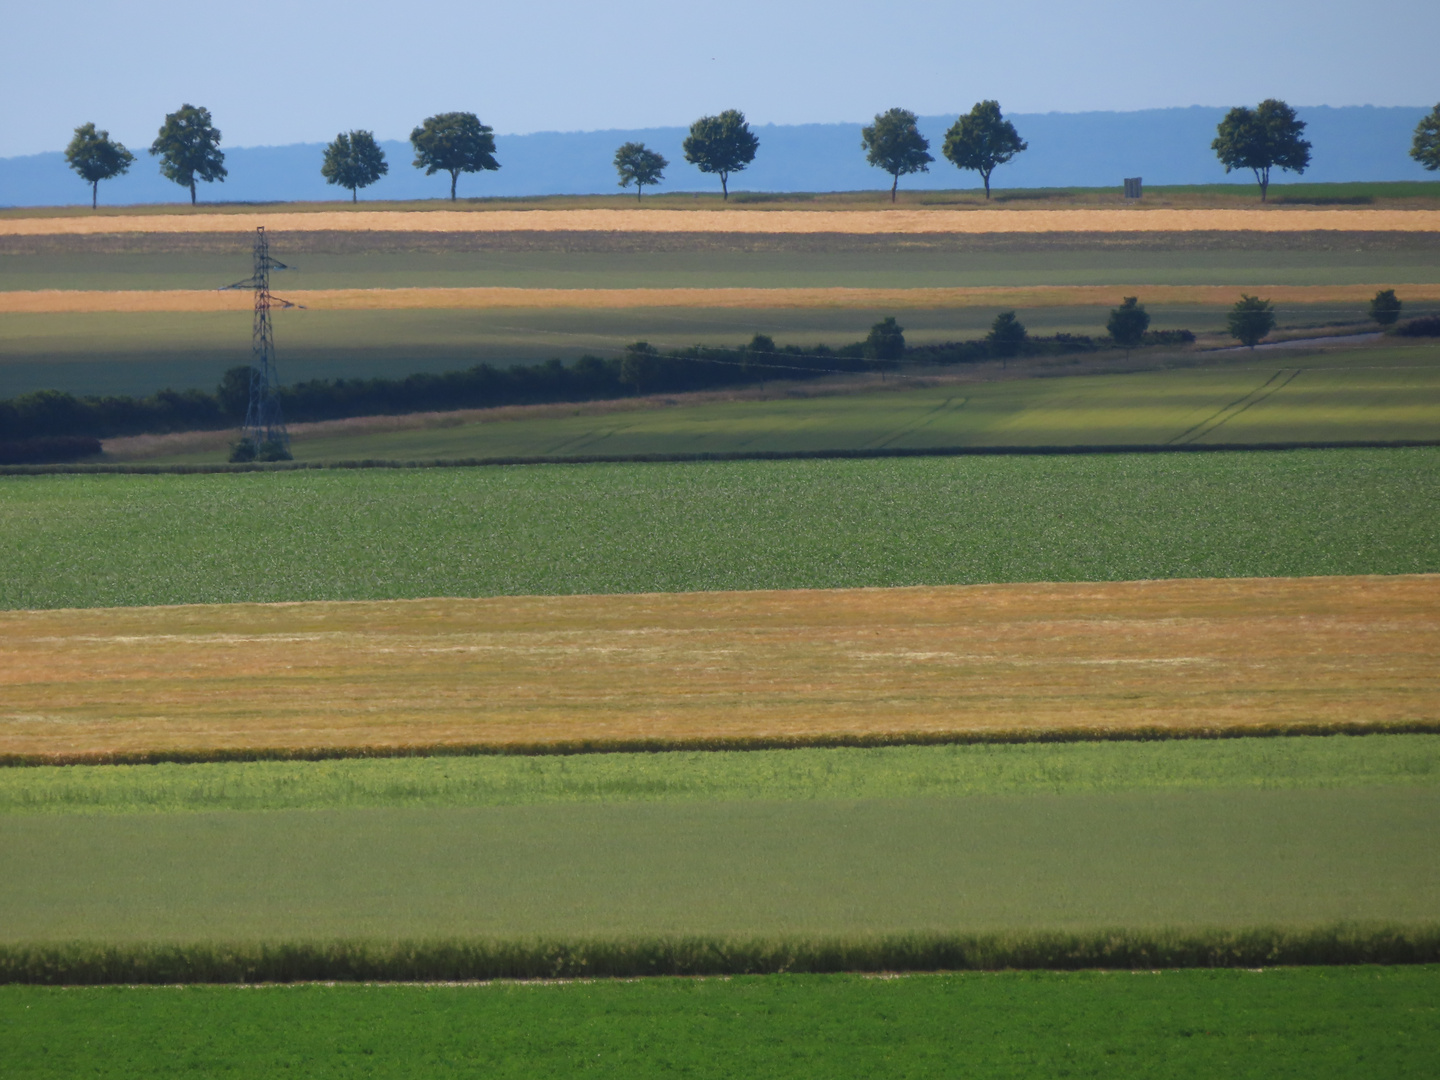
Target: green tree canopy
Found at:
x=454, y=142
x=639, y=365
x=639, y=165
x=886, y=340
x=1007, y=335
x=1385, y=308
x=353, y=161
x=721, y=145
x=1127, y=323
x=1250, y=320
x=894, y=143
x=188, y=147
x=982, y=140
x=1426, y=147
x=95, y=157
x=1262, y=139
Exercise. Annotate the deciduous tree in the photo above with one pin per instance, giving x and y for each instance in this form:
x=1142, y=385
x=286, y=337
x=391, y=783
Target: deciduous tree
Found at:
x=721, y=145
x=639, y=165
x=1426, y=147
x=1385, y=308
x=982, y=140
x=886, y=340
x=1007, y=335
x=96, y=157
x=454, y=142
x=1262, y=139
x=1250, y=320
x=188, y=147
x=894, y=143
x=1127, y=324
x=353, y=161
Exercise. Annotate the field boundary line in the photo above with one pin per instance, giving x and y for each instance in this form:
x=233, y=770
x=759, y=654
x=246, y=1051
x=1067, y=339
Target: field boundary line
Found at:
x=852, y=740
x=465, y=298
x=141, y=469
x=487, y=959
x=745, y=220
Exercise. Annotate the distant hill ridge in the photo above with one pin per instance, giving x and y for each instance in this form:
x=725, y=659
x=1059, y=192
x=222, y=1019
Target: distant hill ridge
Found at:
x=1094, y=149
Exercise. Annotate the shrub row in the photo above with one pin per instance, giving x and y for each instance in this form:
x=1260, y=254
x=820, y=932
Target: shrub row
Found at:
x=1425, y=326
x=49, y=414
x=719, y=743
x=453, y=960
x=50, y=448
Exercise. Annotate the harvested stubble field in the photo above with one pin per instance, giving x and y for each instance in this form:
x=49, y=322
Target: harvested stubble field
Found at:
x=105, y=541
x=1157, y=658
x=1320, y=1023
x=746, y=220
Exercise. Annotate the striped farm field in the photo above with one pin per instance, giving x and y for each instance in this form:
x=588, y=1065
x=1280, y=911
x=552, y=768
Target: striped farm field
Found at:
x=66, y=301
x=1160, y=658
x=738, y=220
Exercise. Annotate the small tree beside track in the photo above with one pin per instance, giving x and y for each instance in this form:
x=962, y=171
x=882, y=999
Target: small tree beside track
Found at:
x=353, y=161
x=721, y=145
x=1385, y=307
x=453, y=143
x=1006, y=338
x=188, y=147
x=95, y=156
x=1250, y=320
x=894, y=143
x=639, y=165
x=1127, y=324
x=1261, y=139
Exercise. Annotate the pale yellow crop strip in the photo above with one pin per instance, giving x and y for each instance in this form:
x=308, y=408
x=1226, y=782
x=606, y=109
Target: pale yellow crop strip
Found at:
x=62, y=301
x=1159, y=656
x=869, y=222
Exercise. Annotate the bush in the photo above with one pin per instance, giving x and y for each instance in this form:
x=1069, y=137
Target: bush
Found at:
x=1007, y=335
x=48, y=450
x=1425, y=326
x=1385, y=307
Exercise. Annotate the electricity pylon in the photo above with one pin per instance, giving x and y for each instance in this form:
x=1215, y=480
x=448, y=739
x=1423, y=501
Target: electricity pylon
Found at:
x=264, y=423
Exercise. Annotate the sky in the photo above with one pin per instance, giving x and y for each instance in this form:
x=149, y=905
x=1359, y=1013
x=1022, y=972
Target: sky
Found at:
x=274, y=74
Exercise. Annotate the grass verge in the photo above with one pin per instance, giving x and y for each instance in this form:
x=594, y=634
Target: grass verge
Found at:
x=86, y=964
x=681, y=776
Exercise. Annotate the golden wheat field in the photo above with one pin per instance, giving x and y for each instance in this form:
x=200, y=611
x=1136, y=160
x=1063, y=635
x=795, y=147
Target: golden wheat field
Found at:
x=1164, y=656
x=737, y=220
x=64, y=301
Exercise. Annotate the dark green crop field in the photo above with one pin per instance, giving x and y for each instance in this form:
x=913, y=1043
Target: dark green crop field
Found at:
x=97, y=541
x=1311, y=1023
x=1299, y=762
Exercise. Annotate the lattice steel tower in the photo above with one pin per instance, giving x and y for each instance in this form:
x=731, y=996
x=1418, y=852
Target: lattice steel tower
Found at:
x=264, y=422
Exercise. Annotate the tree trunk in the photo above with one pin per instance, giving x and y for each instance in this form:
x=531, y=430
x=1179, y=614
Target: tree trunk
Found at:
x=638, y=188
x=454, y=177
x=725, y=187
x=1264, y=185
x=893, y=186
x=94, y=193
x=986, y=177
x=192, y=192
x=354, y=194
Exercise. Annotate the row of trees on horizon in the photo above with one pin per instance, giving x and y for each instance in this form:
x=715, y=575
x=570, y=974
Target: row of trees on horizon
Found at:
x=188, y=146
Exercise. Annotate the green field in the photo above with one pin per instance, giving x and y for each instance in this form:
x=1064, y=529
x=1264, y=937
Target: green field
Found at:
x=617, y=261
x=774, y=775
x=1355, y=394
x=96, y=541
x=1313, y=1023
x=141, y=352
x=729, y=870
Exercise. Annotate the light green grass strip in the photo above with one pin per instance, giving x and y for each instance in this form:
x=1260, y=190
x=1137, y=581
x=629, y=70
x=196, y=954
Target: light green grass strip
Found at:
x=888, y=772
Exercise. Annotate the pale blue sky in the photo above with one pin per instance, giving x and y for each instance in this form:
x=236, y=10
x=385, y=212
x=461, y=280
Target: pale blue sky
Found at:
x=299, y=72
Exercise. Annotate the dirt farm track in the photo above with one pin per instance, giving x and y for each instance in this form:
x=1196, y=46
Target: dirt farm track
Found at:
x=744, y=221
